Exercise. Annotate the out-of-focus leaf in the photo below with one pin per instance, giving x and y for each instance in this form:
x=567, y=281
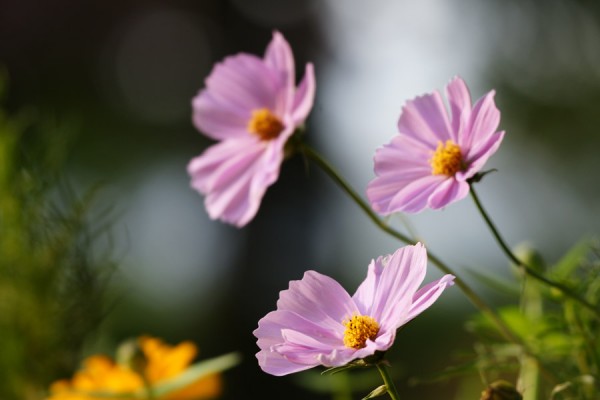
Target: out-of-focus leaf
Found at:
x=571, y=260
x=557, y=344
x=469, y=367
x=512, y=316
x=501, y=285
x=584, y=380
x=196, y=372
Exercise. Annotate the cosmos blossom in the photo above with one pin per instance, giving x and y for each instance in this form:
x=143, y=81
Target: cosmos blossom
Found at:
x=318, y=323
x=251, y=106
x=428, y=164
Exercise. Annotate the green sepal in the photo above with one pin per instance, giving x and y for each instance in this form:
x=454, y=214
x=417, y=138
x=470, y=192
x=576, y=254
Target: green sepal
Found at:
x=479, y=176
x=369, y=361
x=351, y=365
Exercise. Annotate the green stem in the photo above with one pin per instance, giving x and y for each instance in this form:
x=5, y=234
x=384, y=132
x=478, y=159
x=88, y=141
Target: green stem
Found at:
x=524, y=267
x=532, y=307
x=387, y=379
x=471, y=295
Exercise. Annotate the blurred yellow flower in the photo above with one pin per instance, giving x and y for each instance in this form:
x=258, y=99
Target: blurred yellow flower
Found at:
x=166, y=362
x=100, y=377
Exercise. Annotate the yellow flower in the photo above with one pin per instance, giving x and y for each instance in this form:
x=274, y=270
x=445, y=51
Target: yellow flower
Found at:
x=98, y=375
x=101, y=377
x=165, y=362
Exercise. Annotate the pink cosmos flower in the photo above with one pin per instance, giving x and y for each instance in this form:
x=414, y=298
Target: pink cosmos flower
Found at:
x=318, y=323
x=429, y=162
x=252, y=107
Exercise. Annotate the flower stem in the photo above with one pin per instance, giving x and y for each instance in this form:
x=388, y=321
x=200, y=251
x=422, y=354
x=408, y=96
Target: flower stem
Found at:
x=524, y=267
x=471, y=295
x=532, y=307
x=387, y=379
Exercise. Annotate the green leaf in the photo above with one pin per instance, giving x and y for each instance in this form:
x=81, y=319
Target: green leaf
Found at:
x=583, y=380
x=571, y=260
x=470, y=367
x=501, y=285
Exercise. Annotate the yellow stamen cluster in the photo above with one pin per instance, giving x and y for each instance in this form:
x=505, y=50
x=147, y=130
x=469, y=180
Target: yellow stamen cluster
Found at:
x=447, y=159
x=359, y=328
x=264, y=124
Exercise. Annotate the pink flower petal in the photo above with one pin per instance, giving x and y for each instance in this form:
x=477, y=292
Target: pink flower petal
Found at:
x=275, y=364
x=413, y=196
x=427, y=295
x=365, y=294
x=365, y=299
x=270, y=332
x=384, y=341
x=245, y=82
x=317, y=297
x=371, y=346
x=398, y=165
x=389, y=194
x=300, y=340
x=270, y=326
x=459, y=99
x=304, y=349
x=381, y=191
x=234, y=175
x=447, y=192
x=279, y=58
x=219, y=120
x=401, y=275
x=480, y=154
x=485, y=118
x=305, y=96
x=425, y=119
x=222, y=163
x=404, y=157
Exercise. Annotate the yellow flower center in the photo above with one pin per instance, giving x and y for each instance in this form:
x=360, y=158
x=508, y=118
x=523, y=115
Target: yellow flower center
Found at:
x=264, y=124
x=447, y=159
x=359, y=328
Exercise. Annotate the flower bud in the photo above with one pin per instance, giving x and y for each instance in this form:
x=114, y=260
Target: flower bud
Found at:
x=130, y=354
x=501, y=390
x=379, y=391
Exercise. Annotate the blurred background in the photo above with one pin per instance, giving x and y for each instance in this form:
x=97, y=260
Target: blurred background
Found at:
x=123, y=74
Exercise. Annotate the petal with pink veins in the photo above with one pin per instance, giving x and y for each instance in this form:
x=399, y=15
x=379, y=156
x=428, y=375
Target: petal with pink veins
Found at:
x=427, y=295
x=245, y=82
x=232, y=175
x=219, y=121
x=479, y=155
x=320, y=298
x=403, y=272
x=448, y=192
x=459, y=99
x=425, y=119
x=485, y=118
x=413, y=196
